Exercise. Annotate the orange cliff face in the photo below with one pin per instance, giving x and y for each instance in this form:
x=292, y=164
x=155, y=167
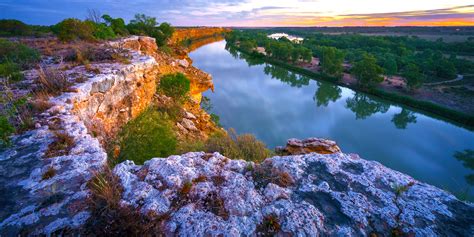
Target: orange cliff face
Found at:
x=196, y=33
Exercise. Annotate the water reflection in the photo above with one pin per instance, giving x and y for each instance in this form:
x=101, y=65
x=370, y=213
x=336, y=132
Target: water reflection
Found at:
x=402, y=119
x=467, y=159
x=286, y=76
x=326, y=92
x=363, y=106
x=249, y=100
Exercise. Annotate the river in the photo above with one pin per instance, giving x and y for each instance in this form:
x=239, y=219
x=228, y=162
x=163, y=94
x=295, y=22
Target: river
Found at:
x=275, y=104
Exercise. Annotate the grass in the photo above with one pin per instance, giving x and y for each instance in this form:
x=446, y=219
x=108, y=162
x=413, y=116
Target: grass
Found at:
x=147, y=136
x=52, y=81
x=51, y=172
x=263, y=174
x=243, y=147
x=61, y=145
x=270, y=226
x=426, y=107
x=109, y=218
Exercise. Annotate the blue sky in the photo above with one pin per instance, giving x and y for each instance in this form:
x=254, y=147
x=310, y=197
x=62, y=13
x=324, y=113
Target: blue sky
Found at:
x=253, y=12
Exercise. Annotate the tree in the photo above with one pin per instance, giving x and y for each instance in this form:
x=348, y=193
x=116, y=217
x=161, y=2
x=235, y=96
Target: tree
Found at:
x=390, y=65
x=367, y=72
x=413, y=77
x=117, y=25
x=331, y=61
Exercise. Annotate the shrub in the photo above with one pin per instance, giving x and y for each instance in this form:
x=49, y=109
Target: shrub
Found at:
x=6, y=129
x=117, y=25
x=147, y=136
x=244, y=147
x=175, y=86
x=145, y=25
x=10, y=28
x=103, y=32
x=52, y=81
x=74, y=29
x=20, y=54
x=10, y=71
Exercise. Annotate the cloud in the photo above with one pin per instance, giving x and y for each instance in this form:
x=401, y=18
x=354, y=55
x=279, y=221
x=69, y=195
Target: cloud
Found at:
x=251, y=12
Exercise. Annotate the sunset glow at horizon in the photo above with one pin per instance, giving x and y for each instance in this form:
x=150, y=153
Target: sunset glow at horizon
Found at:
x=255, y=12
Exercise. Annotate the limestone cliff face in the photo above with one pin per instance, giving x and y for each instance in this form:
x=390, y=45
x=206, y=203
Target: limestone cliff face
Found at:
x=196, y=33
x=89, y=114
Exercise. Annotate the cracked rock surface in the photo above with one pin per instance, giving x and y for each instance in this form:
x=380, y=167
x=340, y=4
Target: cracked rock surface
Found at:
x=335, y=194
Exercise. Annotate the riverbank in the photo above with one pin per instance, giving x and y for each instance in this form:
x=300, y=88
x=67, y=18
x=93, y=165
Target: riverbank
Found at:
x=56, y=180
x=426, y=107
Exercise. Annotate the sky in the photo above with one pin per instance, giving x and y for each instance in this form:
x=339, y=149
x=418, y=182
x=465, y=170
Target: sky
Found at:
x=253, y=12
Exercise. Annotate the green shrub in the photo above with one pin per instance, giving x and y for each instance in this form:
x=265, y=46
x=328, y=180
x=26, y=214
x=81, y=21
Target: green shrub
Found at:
x=117, y=25
x=74, y=29
x=10, y=27
x=149, y=135
x=175, y=86
x=11, y=71
x=145, y=25
x=18, y=53
x=243, y=147
x=6, y=129
x=103, y=32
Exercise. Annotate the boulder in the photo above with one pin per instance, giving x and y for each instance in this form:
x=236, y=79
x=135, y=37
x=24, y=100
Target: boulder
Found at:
x=318, y=145
x=330, y=195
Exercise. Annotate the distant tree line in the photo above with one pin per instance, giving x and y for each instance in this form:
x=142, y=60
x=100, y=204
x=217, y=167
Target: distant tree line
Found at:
x=368, y=57
x=281, y=49
x=95, y=27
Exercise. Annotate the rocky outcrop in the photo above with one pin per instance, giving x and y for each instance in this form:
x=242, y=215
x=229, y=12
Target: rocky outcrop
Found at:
x=46, y=193
x=196, y=33
x=309, y=145
x=302, y=195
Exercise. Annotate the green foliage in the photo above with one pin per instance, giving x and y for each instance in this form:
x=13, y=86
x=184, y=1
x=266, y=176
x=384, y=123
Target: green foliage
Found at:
x=103, y=32
x=326, y=92
x=243, y=147
x=6, y=129
x=13, y=28
x=117, y=25
x=17, y=53
x=10, y=71
x=413, y=77
x=331, y=61
x=390, y=65
x=74, y=29
x=146, y=25
x=176, y=86
x=149, y=135
x=402, y=119
x=367, y=72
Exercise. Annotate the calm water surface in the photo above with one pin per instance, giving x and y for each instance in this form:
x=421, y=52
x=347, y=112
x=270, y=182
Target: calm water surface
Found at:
x=274, y=105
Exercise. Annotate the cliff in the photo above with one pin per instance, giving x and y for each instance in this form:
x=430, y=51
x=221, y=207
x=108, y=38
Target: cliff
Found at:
x=195, y=33
x=200, y=194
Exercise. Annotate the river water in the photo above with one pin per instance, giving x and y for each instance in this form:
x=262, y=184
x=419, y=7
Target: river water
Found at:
x=275, y=104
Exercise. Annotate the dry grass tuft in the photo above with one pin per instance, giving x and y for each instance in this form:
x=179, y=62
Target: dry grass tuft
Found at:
x=264, y=174
x=61, y=145
x=109, y=218
x=215, y=204
x=52, y=81
x=51, y=172
x=270, y=226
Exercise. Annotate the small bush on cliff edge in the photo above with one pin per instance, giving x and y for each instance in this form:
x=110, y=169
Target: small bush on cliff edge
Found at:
x=176, y=86
x=244, y=147
x=149, y=135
